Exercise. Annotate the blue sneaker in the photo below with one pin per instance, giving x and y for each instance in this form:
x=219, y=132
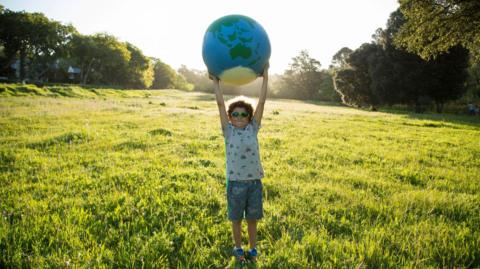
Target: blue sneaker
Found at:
x=239, y=254
x=252, y=254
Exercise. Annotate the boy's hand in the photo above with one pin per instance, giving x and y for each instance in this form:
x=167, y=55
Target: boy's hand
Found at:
x=212, y=77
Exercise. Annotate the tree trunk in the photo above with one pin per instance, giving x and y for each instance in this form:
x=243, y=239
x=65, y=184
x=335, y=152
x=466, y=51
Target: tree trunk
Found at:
x=22, y=64
x=85, y=74
x=40, y=75
x=439, y=106
x=418, y=108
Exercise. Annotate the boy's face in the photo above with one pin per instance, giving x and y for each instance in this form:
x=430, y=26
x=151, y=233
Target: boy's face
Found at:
x=240, y=117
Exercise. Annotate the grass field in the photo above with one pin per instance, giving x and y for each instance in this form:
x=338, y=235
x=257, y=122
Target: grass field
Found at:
x=132, y=179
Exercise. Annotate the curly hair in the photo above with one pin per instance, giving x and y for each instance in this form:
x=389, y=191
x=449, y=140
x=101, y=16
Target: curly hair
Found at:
x=242, y=104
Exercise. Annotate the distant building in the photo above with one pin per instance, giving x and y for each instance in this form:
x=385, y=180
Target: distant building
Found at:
x=16, y=67
x=74, y=73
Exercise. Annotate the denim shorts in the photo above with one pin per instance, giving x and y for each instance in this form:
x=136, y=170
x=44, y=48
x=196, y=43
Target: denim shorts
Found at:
x=245, y=200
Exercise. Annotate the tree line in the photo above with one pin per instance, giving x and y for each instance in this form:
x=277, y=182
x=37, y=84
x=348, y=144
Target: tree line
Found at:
x=427, y=54
x=35, y=48
x=304, y=80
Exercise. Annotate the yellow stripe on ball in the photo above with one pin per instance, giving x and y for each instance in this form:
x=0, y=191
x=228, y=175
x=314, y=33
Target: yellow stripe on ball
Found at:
x=238, y=76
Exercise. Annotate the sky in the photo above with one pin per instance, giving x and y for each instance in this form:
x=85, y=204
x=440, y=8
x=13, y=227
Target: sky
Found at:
x=173, y=30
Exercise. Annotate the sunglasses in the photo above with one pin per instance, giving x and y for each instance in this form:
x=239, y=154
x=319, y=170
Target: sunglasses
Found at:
x=240, y=114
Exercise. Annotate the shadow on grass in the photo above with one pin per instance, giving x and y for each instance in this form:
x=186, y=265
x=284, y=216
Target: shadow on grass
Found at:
x=439, y=119
x=203, y=96
x=65, y=92
x=322, y=103
x=19, y=90
x=130, y=145
x=64, y=139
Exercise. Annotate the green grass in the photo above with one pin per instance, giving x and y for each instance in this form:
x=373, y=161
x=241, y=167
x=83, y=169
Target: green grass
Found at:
x=107, y=179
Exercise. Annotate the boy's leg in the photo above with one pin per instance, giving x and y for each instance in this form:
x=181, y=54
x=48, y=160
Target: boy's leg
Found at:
x=236, y=199
x=237, y=232
x=254, y=212
x=252, y=233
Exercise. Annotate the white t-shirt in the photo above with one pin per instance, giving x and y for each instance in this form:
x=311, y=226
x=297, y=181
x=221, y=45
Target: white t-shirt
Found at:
x=242, y=152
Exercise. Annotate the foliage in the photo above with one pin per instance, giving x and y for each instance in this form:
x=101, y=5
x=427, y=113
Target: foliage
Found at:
x=103, y=59
x=111, y=181
x=46, y=49
x=339, y=60
x=34, y=39
x=140, y=69
x=380, y=73
x=182, y=84
x=326, y=91
x=435, y=26
x=111, y=57
x=84, y=54
x=165, y=77
x=473, y=83
x=302, y=79
x=450, y=74
x=198, y=78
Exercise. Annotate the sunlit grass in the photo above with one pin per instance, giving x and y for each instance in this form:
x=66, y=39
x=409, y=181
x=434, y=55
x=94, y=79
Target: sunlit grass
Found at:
x=136, y=178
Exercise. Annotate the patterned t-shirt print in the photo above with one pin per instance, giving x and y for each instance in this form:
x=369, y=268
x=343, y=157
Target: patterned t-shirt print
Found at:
x=243, y=158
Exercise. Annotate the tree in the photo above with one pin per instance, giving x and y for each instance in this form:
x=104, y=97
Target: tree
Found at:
x=198, y=78
x=403, y=73
x=326, y=90
x=439, y=79
x=365, y=61
x=473, y=83
x=303, y=78
x=140, y=69
x=448, y=74
x=114, y=59
x=381, y=73
x=182, y=84
x=360, y=85
x=342, y=85
x=33, y=39
x=165, y=77
x=339, y=60
x=83, y=53
x=102, y=59
x=345, y=84
x=433, y=27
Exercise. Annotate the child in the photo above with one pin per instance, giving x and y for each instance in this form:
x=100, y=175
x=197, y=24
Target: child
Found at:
x=240, y=125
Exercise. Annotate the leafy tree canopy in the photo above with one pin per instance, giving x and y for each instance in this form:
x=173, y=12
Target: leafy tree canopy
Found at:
x=433, y=27
x=303, y=77
x=32, y=37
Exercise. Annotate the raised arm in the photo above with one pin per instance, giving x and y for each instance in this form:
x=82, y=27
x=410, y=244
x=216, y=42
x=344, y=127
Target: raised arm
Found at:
x=263, y=96
x=220, y=103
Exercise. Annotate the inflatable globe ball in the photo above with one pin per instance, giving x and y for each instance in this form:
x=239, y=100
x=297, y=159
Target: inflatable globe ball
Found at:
x=236, y=49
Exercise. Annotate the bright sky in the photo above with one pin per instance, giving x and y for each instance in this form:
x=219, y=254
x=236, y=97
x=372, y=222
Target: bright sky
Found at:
x=173, y=30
